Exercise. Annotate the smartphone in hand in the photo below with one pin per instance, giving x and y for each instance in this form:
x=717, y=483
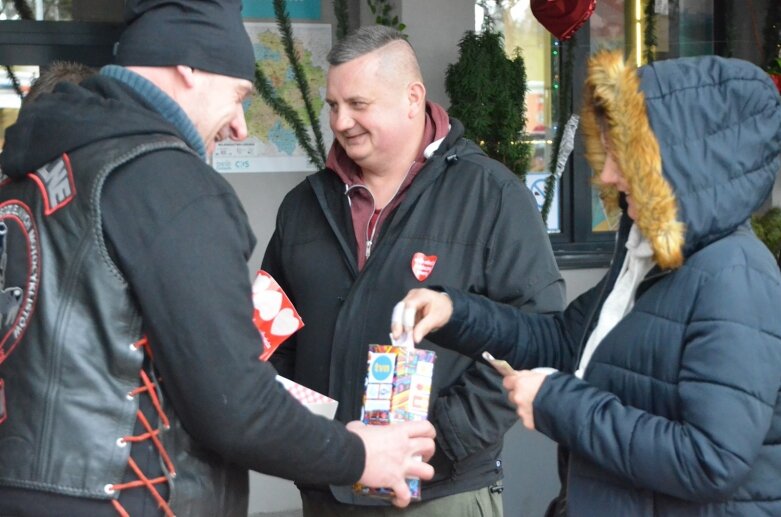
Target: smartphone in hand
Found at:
x=500, y=365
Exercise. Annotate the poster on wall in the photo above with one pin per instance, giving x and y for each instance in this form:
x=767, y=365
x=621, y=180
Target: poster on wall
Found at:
x=301, y=9
x=272, y=145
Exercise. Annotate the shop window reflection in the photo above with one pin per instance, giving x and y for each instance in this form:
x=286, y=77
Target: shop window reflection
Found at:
x=10, y=100
x=63, y=10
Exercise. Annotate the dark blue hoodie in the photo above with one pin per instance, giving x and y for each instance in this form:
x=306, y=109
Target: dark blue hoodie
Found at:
x=679, y=410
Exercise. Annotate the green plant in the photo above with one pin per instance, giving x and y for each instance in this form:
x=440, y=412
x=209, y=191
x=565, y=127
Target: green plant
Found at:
x=768, y=228
x=487, y=92
x=775, y=66
x=381, y=10
x=342, y=19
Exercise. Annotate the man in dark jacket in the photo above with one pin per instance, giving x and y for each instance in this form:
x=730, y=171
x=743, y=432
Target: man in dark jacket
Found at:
x=404, y=201
x=129, y=379
x=668, y=394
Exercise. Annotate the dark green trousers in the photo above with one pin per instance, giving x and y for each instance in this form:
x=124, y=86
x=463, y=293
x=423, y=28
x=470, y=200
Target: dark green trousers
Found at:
x=478, y=503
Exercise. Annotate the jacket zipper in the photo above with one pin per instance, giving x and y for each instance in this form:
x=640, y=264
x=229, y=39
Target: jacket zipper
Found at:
x=651, y=277
x=370, y=238
x=588, y=329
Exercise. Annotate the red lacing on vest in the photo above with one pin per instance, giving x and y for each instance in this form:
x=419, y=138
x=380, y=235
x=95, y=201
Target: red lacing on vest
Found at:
x=148, y=387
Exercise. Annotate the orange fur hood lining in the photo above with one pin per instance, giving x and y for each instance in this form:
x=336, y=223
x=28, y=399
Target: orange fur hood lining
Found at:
x=613, y=88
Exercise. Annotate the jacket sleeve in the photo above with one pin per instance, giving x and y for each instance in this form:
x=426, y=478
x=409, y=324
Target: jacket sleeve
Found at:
x=727, y=386
x=183, y=247
x=474, y=413
x=284, y=358
x=525, y=340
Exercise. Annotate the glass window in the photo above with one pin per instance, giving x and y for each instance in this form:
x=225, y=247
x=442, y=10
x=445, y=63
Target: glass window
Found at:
x=10, y=101
x=64, y=10
x=50, y=10
x=607, y=28
x=685, y=28
x=521, y=30
x=607, y=31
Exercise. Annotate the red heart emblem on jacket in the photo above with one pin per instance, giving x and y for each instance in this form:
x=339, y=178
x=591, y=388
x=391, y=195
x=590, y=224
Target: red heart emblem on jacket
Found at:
x=422, y=265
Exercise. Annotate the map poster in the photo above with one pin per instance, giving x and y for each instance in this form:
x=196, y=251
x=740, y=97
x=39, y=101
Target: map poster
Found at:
x=272, y=145
x=302, y=9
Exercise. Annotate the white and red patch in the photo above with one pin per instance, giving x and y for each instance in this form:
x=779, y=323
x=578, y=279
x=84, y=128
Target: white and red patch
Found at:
x=55, y=181
x=20, y=278
x=422, y=265
x=2, y=402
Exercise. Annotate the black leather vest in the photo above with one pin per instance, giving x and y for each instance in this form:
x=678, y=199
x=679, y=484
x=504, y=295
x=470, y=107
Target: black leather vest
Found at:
x=67, y=323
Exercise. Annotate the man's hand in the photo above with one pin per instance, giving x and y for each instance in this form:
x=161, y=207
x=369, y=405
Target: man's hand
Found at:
x=420, y=312
x=522, y=388
x=393, y=453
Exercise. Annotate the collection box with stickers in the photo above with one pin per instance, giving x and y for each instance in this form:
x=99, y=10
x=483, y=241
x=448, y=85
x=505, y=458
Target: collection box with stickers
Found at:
x=397, y=389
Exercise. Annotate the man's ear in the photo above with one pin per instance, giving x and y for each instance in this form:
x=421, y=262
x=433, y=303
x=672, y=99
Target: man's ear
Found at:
x=186, y=74
x=416, y=94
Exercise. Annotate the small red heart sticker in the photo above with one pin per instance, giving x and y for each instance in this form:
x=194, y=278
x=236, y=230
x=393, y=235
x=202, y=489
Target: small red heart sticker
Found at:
x=422, y=265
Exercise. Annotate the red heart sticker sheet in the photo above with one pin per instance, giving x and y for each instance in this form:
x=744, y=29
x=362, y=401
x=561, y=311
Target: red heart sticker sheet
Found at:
x=274, y=315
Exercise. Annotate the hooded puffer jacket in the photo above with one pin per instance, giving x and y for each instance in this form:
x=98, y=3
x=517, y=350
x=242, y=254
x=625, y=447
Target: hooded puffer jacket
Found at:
x=679, y=410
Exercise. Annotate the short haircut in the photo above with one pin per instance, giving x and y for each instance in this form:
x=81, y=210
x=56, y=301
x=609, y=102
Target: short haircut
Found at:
x=58, y=72
x=362, y=41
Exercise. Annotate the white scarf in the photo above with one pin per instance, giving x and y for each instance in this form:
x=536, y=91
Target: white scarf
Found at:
x=637, y=264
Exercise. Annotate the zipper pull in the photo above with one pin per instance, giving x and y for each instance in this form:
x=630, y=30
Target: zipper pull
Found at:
x=368, y=248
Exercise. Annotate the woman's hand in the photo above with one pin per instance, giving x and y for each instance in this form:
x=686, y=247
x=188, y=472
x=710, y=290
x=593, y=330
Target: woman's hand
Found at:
x=420, y=312
x=522, y=387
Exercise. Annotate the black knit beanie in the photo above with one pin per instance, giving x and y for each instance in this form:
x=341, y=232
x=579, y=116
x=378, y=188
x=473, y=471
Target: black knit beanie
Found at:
x=206, y=35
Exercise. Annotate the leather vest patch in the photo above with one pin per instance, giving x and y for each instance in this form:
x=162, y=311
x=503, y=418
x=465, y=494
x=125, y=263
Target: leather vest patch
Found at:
x=55, y=180
x=20, y=262
x=2, y=401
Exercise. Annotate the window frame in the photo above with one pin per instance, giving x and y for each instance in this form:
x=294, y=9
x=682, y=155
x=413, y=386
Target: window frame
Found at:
x=31, y=42
x=577, y=246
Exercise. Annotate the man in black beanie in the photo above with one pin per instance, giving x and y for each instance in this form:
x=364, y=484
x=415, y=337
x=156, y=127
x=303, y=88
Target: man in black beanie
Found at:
x=129, y=378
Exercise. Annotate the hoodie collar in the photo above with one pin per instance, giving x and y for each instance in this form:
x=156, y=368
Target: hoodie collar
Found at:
x=161, y=102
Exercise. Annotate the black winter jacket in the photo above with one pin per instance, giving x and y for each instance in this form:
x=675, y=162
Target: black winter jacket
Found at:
x=483, y=226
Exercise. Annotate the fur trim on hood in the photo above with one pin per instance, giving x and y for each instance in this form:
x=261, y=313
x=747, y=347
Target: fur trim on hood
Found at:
x=613, y=88
x=698, y=140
